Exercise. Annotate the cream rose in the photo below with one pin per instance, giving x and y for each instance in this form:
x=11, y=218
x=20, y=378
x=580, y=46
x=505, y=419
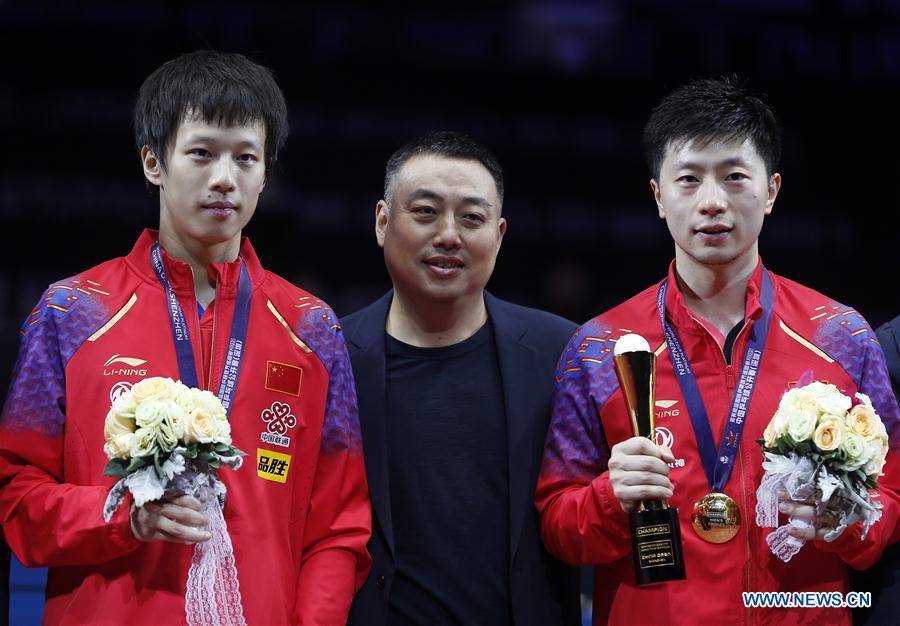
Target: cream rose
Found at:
x=855, y=449
x=116, y=424
x=200, y=427
x=118, y=446
x=828, y=434
x=863, y=420
x=143, y=442
x=769, y=435
x=802, y=426
x=156, y=388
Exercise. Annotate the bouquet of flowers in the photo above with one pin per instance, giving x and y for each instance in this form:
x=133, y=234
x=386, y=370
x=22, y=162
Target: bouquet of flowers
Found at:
x=824, y=447
x=165, y=439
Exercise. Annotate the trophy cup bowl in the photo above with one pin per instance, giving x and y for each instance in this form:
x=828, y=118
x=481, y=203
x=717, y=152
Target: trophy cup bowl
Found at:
x=655, y=533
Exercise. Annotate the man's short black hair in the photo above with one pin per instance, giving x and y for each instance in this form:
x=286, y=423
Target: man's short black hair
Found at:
x=444, y=143
x=709, y=110
x=222, y=88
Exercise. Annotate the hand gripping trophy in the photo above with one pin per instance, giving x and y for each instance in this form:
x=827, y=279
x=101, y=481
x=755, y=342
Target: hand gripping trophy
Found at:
x=655, y=533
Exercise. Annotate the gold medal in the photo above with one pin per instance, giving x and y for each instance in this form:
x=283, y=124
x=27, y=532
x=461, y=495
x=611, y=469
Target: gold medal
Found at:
x=716, y=517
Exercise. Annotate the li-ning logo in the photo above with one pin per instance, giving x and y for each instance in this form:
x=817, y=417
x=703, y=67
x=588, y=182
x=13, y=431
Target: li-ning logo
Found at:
x=133, y=368
x=666, y=408
x=278, y=418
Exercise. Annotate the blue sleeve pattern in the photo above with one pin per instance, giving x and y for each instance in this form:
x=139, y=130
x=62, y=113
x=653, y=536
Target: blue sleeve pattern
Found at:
x=64, y=318
x=585, y=379
x=847, y=338
x=318, y=327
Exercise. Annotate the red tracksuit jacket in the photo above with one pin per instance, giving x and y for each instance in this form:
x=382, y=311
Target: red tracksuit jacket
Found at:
x=297, y=511
x=583, y=523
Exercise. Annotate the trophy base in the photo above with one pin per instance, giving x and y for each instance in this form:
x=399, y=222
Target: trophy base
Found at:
x=656, y=545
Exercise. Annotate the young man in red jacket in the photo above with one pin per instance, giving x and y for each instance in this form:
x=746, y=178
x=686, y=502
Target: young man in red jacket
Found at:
x=713, y=151
x=190, y=302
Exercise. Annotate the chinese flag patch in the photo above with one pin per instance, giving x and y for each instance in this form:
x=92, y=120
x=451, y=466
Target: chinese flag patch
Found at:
x=283, y=378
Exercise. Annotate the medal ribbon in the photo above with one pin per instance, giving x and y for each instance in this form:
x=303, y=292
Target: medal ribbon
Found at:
x=718, y=469
x=184, y=351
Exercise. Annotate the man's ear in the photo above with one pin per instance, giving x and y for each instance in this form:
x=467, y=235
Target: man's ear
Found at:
x=382, y=217
x=657, y=195
x=152, y=166
x=772, y=191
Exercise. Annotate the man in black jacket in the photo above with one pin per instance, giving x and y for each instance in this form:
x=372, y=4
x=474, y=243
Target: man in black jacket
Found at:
x=454, y=390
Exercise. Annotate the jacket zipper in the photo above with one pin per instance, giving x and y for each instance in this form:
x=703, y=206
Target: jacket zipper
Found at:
x=729, y=382
x=212, y=341
x=746, y=580
x=196, y=337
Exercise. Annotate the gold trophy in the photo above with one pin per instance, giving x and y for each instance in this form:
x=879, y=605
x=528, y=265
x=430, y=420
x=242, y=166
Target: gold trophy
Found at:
x=655, y=533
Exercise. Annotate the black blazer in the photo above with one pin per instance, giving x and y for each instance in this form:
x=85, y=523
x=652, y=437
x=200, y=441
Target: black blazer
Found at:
x=543, y=590
x=883, y=578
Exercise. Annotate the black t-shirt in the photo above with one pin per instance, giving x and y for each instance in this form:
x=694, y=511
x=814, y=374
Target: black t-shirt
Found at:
x=449, y=483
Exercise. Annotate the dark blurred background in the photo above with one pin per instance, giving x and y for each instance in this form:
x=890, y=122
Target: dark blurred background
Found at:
x=559, y=90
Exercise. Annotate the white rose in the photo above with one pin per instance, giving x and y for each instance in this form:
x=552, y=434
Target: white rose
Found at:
x=125, y=405
x=182, y=396
x=177, y=420
x=781, y=419
x=118, y=446
x=208, y=401
x=200, y=427
x=156, y=388
x=171, y=428
x=835, y=402
x=222, y=432
x=116, y=424
x=879, y=450
x=143, y=442
x=150, y=413
x=802, y=426
x=855, y=449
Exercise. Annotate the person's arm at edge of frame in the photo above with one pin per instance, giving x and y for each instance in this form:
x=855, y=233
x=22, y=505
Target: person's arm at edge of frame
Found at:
x=857, y=552
x=582, y=522
x=47, y=522
x=335, y=561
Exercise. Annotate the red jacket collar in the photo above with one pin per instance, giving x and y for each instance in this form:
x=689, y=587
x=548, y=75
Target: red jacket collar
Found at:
x=681, y=316
x=179, y=273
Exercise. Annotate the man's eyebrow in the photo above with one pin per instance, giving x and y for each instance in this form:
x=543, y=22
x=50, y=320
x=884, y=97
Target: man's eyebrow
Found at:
x=693, y=165
x=428, y=194
x=424, y=194
x=478, y=201
x=249, y=143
